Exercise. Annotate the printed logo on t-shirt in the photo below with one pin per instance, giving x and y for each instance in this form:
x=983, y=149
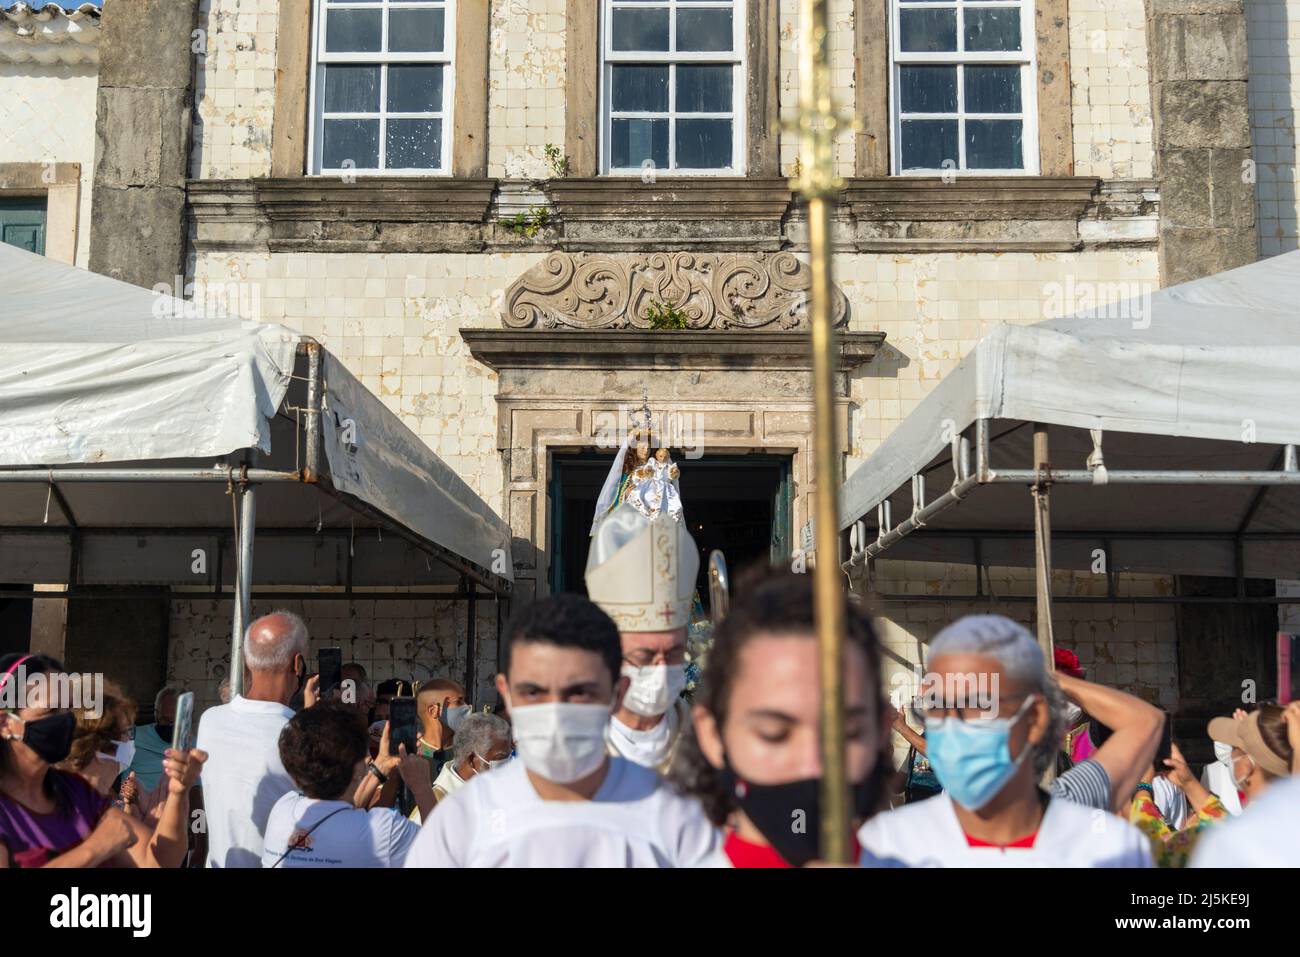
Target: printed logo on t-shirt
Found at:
x=301, y=840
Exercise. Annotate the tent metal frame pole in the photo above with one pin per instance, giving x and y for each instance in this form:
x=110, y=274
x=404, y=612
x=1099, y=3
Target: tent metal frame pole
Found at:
x=93, y=592
x=1042, y=500
x=889, y=534
x=963, y=483
x=976, y=599
x=244, y=588
x=311, y=414
x=1155, y=477
x=142, y=475
x=471, y=637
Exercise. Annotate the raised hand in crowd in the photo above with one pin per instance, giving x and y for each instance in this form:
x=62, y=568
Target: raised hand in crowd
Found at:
x=415, y=772
x=1180, y=775
x=311, y=691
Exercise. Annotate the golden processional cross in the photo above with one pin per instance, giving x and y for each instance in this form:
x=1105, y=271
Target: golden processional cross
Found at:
x=819, y=186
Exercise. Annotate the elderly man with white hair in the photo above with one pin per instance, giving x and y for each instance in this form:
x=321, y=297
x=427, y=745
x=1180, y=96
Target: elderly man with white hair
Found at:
x=994, y=720
x=482, y=743
x=244, y=777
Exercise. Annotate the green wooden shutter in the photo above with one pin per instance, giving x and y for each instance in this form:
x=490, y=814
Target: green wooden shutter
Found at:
x=781, y=501
x=22, y=223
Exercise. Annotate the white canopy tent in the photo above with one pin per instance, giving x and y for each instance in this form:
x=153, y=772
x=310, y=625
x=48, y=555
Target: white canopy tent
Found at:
x=1173, y=426
x=132, y=422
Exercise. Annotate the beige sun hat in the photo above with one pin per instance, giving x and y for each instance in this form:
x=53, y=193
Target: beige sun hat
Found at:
x=1244, y=733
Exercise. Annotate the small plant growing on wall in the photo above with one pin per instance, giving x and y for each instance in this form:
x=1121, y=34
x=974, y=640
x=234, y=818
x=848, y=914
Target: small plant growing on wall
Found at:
x=664, y=315
x=558, y=161
x=529, y=224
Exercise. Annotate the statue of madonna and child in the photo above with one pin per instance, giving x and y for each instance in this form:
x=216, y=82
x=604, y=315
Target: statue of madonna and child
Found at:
x=640, y=491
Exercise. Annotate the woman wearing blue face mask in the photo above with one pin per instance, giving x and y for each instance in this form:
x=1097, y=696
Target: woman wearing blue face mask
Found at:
x=994, y=719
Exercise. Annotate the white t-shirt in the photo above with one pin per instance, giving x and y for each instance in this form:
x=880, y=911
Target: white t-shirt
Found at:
x=352, y=837
x=1266, y=835
x=1170, y=801
x=498, y=820
x=243, y=777
x=928, y=834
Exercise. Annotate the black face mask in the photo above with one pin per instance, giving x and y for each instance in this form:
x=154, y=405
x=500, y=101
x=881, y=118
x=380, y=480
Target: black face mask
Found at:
x=51, y=737
x=789, y=815
x=165, y=731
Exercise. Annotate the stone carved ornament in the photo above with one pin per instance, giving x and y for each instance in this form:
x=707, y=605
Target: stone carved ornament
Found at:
x=713, y=290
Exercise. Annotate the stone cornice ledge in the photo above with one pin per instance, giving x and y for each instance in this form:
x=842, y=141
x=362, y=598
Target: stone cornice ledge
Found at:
x=627, y=349
x=969, y=214
x=970, y=198
x=606, y=212
x=377, y=214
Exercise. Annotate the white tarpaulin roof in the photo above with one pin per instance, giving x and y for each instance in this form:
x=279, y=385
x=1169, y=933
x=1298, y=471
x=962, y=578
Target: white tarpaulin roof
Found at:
x=95, y=371
x=1200, y=376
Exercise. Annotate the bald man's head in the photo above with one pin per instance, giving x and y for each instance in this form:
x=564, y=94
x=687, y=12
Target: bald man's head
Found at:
x=273, y=641
x=436, y=689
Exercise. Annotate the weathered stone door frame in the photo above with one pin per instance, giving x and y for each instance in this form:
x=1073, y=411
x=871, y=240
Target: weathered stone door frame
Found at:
x=559, y=391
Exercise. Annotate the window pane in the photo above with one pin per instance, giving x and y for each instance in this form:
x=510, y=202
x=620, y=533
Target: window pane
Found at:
x=928, y=31
x=925, y=144
x=703, y=144
x=704, y=89
x=992, y=28
x=640, y=89
x=354, y=31
x=927, y=89
x=413, y=144
x=350, y=140
x=704, y=30
x=992, y=89
x=351, y=89
x=993, y=144
x=640, y=29
x=415, y=88
x=635, y=141
x=416, y=30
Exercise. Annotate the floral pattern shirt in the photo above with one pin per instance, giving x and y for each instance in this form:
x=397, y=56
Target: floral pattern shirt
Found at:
x=1169, y=847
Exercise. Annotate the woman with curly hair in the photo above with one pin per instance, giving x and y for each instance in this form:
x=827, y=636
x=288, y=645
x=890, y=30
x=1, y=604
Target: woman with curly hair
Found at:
x=753, y=758
x=103, y=743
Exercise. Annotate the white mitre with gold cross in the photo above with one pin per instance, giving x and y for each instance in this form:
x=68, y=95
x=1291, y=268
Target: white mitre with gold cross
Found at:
x=641, y=571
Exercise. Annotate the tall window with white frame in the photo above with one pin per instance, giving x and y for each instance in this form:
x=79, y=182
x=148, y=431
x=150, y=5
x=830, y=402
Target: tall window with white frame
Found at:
x=381, y=89
x=963, y=86
x=672, y=86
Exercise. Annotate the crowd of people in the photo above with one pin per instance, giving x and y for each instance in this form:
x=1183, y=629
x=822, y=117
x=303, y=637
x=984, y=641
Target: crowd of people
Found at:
x=590, y=755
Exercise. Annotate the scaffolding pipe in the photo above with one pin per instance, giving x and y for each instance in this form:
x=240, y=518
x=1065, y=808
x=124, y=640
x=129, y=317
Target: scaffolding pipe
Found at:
x=244, y=586
x=1042, y=497
x=1155, y=477
x=217, y=474
x=311, y=471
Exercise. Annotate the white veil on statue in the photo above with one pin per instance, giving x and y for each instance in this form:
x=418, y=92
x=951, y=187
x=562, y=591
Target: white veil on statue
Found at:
x=610, y=489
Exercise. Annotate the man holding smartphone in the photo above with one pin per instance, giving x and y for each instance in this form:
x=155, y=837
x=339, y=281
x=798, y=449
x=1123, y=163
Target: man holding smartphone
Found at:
x=566, y=802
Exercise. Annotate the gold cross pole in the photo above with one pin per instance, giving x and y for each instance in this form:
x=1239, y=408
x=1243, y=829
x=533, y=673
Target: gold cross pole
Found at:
x=819, y=185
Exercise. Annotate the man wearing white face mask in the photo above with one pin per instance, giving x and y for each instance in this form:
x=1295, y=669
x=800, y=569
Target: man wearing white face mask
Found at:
x=641, y=572
x=565, y=802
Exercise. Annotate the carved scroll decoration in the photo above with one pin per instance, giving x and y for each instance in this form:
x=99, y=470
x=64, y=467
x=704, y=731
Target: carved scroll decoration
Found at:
x=713, y=291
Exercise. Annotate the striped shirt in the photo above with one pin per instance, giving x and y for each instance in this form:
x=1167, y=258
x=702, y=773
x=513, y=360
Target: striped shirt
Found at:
x=1086, y=783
